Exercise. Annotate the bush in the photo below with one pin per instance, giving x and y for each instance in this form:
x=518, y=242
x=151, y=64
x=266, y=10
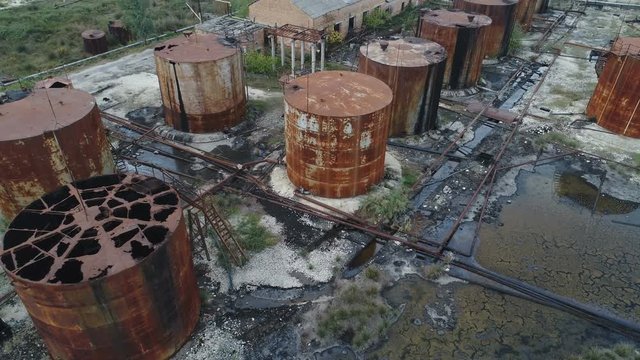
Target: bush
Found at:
x=557, y=138
x=258, y=63
x=385, y=207
x=334, y=38
x=372, y=273
x=515, y=41
x=254, y=236
x=376, y=19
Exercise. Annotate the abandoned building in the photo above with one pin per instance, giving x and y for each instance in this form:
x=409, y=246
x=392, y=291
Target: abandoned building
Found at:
x=460, y=182
x=342, y=16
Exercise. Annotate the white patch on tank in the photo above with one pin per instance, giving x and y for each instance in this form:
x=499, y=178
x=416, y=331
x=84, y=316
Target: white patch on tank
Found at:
x=365, y=140
x=348, y=129
x=302, y=121
x=313, y=124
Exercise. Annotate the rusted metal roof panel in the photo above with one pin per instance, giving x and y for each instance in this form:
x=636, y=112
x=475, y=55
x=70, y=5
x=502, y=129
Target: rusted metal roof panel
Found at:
x=104, y=269
x=463, y=35
x=47, y=140
x=413, y=68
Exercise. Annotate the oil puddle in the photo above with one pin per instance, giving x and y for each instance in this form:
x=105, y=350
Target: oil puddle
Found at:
x=551, y=239
x=574, y=187
x=357, y=263
x=459, y=321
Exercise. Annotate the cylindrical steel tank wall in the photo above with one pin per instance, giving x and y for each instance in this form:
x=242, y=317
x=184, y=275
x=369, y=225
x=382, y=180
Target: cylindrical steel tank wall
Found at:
x=463, y=36
x=615, y=103
x=95, y=41
x=104, y=269
x=413, y=68
x=49, y=139
x=524, y=13
x=336, y=129
x=201, y=82
x=502, y=14
x=542, y=6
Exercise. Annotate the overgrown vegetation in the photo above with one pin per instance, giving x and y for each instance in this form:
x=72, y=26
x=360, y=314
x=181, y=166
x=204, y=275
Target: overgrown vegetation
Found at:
x=437, y=269
x=357, y=316
x=618, y=352
x=254, y=236
x=334, y=38
x=376, y=19
x=636, y=159
x=556, y=138
x=136, y=17
x=385, y=207
x=41, y=36
x=227, y=204
x=515, y=41
x=259, y=63
x=240, y=8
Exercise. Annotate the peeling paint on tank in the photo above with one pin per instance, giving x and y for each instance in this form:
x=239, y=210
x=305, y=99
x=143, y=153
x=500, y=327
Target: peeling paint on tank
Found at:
x=348, y=130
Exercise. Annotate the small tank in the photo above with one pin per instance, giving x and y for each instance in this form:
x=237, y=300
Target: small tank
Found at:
x=104, y=268
x=414, y=69
x=503, y=18
x=201, y=82
x=95, y=41
x=463, y=35
x=48, y=139
x=336, y=129
x=615, y=103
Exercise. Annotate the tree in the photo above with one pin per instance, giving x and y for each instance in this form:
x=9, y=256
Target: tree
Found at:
x=136, y=17
x=376, y=19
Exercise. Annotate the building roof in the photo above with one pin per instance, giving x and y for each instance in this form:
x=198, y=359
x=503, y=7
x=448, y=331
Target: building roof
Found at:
x=315, y=8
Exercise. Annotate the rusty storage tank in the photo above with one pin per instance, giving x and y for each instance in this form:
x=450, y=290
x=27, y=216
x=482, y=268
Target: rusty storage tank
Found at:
x=54, y=83
x=104, y=269
x=336, y=128
x=413, y=68
x=502, y=14
x=95, y=41
x=462, y=34
x=615, y=103
x=201, y=82
x=524, y=13
x=119, y=31
x=542, y=6
x=48, y=139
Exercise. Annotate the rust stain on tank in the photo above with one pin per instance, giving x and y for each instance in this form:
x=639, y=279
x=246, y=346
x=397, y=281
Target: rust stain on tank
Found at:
x=49, y=139
x=336, y=129
x=615, y=102
x=502, y=14
x=463, y=35
x=104, y=269
x=413, y=68
x=524, y=13
x=201, y=82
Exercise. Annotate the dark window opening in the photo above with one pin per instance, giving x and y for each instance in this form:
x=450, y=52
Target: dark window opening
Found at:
x=352, y=23
x=336, y=27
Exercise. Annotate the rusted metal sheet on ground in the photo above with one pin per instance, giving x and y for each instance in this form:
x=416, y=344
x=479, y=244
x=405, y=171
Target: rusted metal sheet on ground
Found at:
x=615, y=102
x=413, y=68
x=104, y=269
x=47, y=140
x=95, y=41
x=336, y=129
x=491, y=112
x=502, y=14
x=463, y=35
x=201, y=82
x=524, y=13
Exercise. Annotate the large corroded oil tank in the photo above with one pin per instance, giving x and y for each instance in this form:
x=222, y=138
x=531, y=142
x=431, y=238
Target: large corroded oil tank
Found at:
x=524, y=13
x=413, y=68
x=201, y=82
x=463, y=35
x=502, y=14
x=104, y=269
x=336, y=128
x=615, y=103
x=49, y=139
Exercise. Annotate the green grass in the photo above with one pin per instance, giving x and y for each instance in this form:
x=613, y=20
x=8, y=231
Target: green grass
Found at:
x=636, y=159
x=385, y=207
x=515, y=41
x=620, y=351
x=40, y=36
x=254, y=236
x=240, y=8
x=556, y=138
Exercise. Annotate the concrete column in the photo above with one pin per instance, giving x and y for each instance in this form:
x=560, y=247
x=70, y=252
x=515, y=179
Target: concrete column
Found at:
x=282, y=50
x=272, y=40
x=293, y=57
x=322, y=46
x=313, y=57
x=301, y=55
